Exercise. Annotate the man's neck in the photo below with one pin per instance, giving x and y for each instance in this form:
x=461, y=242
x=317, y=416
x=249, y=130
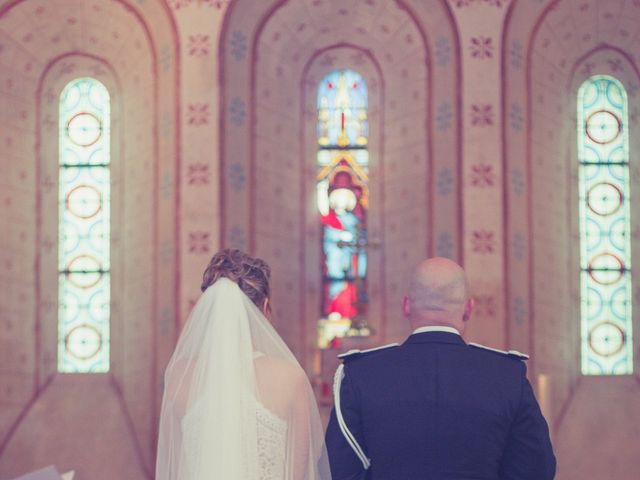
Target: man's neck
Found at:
x=436, y=328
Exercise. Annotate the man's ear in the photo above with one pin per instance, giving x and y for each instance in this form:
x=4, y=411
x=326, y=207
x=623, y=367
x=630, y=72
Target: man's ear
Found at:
x=406, y=306
x=468, y=309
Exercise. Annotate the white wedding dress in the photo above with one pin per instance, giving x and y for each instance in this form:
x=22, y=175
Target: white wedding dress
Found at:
x=236, y=404
x=271, y=439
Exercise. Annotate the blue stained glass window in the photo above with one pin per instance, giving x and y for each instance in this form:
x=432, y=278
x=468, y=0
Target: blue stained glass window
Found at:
x=343, y=202
x=84, y=227
x=605, y=263
x=342, y=110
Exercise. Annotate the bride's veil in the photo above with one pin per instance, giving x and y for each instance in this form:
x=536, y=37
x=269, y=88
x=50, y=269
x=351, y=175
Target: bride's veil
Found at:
x=229, y=362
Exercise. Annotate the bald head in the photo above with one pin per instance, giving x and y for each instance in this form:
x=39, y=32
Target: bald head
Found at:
x=437, y=294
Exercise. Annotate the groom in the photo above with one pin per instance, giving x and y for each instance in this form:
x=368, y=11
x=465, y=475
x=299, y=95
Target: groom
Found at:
x=436, y=407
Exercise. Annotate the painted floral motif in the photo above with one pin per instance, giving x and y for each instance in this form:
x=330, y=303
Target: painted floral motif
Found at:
x=517, y=181
x=199, y=45
x=519, y=246
x=238, y=45
x=516, y=117
x=165, y=58
x=444, y=183
x=198, y=174
x=615, y=64
x=237, y=237
x=519, y=310
x=199, y=242
x=198, y=114
x=516, y=54
x=482, y=175
x=237, y=111
x=485, y=305
x=481, y=47
x=237, y=177
x=444, y=117
x=481, y=115
x=444, y=245
x=443, y=51
x=483, y=241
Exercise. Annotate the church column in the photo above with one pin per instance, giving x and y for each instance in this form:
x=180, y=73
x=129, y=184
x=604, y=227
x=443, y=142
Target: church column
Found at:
x=480, y=25
x=200, y=24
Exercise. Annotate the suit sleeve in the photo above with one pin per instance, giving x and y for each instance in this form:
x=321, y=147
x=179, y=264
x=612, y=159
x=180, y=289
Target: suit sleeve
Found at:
x=344, y=463
x=529, y=454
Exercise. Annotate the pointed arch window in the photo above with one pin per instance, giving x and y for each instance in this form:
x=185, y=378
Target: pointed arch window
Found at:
x=604, y=217
x=343, y=202
x=84, y=227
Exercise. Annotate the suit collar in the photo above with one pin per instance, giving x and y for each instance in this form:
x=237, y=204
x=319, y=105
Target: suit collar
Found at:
x=436, y=335
x=438, y=328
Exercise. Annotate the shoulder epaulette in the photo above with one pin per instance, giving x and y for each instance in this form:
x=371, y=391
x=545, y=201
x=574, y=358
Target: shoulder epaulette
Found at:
x=351, y=354
x=509, y=353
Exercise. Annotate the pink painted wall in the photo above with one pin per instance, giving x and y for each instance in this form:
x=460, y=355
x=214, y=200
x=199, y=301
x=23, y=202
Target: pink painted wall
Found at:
x=549, y=49
x=44, y=46
x=472, y=157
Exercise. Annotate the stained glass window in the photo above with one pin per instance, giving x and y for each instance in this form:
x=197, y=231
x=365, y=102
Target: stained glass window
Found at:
x=84, y=228
x=605, y=263
x=343, y=202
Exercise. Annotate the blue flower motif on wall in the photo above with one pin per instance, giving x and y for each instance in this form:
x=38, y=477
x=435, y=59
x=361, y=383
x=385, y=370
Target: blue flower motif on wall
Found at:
x=444, y=117
x=517, y=181
x=165, y=252
x=237, y=111
x=166, y=186
x=166, y=124
x=443, y=51
x=516, y=118
x=238, y=45
x=519, y=309
x=237, y=177
x=519, y=246
x=444, y=184
x=166, y=319
x=516, y=54
x=444, y=245
x=165, y=58
x=237, y=238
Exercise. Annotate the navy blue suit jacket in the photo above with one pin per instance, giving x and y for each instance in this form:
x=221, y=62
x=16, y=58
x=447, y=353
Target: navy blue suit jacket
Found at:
x=436, y=408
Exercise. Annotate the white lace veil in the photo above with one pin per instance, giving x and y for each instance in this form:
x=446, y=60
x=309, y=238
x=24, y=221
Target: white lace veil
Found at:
x=229, y=362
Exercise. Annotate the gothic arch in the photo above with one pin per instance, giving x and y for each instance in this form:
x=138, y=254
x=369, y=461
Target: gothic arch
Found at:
x=549, y=49
x=50, y=47
x=269, y=53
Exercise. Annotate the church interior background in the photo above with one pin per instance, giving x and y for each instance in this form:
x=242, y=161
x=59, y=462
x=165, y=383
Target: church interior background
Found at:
x=342, y=141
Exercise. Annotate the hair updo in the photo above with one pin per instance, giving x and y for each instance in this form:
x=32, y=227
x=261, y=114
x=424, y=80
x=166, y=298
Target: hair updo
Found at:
x=250, y=273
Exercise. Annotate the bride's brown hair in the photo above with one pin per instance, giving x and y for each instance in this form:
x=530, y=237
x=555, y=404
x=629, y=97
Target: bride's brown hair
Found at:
x=250, y=273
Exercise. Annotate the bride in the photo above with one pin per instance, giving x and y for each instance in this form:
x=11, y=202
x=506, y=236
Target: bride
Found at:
x=237, y=405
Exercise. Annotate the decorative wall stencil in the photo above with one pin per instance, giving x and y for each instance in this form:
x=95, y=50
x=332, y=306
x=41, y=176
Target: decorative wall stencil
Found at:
x=199, y=45
x=482, y=175
x=481, y=47
x=482, y=115
x=483, y=242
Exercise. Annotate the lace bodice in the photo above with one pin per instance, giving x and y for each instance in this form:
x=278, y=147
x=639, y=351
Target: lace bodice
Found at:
x=271, y=448
x=272, y=441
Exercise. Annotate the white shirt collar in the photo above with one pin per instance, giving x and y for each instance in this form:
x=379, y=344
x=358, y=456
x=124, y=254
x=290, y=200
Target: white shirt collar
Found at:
x=436, y=329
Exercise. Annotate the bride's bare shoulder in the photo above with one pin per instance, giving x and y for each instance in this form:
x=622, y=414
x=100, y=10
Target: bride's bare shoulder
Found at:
x=281, y=372
x=279, y=365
